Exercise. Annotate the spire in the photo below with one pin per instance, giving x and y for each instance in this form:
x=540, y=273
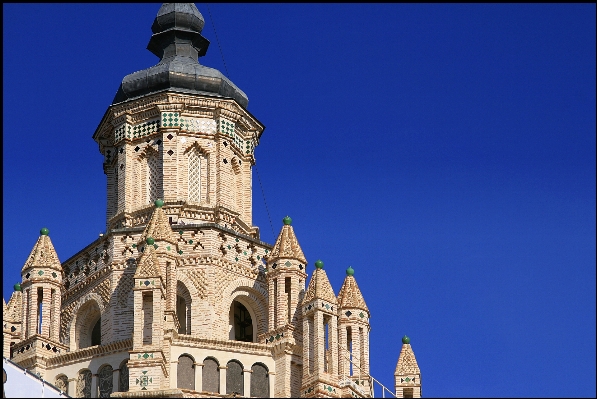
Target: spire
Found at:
x=319, y=286
x=178, y=42
x=14, y=308
x=350, y=295
x=407, y=363
x=148, y=262
x=43, y=254
x=287, y=245
x=158, y=226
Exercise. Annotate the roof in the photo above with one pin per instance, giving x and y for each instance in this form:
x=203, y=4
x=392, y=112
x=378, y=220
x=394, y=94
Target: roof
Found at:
x=178, y=42
x=43, y=255
x=350, y=295
x=320, y=288
x=407, y=363
x=287, y=246
x=148, y=265
x=14, y=308
x=158, y=228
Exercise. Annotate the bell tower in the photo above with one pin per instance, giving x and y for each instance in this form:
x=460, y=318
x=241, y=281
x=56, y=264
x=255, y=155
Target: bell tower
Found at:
x=179, y=131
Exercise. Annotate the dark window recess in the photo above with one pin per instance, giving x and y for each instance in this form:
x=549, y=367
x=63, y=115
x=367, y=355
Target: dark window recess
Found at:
x=243, y=325
x=158, y=142
x=96, y=333
x=121, y=150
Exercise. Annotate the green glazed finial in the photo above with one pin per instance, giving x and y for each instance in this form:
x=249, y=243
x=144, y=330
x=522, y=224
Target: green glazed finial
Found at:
x=17, y=287
x=44, y=232
x=150, y=241
x=319, y=264
x=405, y=340
x=350, y=271
x=287, y=221
x=159, y=203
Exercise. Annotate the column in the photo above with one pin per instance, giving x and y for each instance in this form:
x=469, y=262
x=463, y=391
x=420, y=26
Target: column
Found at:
x=356, y=351
x=72, y=387
x=173, y=374
x=45, y=312
x=94, y=385
x=115, y=380
x=282, y=301
x=199, y=377
x=344, y=369
x=57, y=315
x=306, y=339
x=272, y=309
x=247, y=383
x=318, y=342
x=333, y=344
x=223, y=379
x=272, y=383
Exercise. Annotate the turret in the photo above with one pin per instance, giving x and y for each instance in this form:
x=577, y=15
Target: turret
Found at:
x=353, y=332
x=12, y=317
x=320, y=337
x=407, y=375
x=42, y=290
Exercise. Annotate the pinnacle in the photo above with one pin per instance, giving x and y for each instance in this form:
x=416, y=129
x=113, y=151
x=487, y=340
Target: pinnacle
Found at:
x=287, y=245
x=407, y=363
x=43, y=255
x=148, y=264
x=158, y=228
x=350, y=295
x=320, y=288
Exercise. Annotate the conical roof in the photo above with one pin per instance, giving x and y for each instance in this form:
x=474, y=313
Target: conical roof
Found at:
x=14, y=308
x=320, y=287
x=148, y=265
x=350, y=295
x=158, y=227
x=407, y=363
x=287, y=245
x=43, y=254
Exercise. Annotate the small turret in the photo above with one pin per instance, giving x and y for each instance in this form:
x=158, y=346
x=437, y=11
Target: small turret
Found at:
x=407, y=375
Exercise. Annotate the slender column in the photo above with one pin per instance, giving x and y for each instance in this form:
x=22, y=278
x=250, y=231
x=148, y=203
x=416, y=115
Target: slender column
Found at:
x=272, y=383
x=56, y=301
x=223, y=371
x=333, y=344
x=356, y=351
x=344, y=369
x=72, y=387
x=115, y=380
x=282, y=302
x=272, y=308
x=45, y=312
x=94, y=385
x=247, y=382
x=318, y=342
x=306, y=341
x=199, y=377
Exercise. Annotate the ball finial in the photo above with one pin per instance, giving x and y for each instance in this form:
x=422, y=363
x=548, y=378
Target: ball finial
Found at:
x=150, y=241
x=319, y=264
x=405, y=340
x=17, y=287
x=350, y=271
x=44, y=231
x=287, y=221
x=159, y=203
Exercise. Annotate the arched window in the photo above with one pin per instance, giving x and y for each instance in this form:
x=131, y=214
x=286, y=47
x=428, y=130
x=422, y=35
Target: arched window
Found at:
x=194, y=176
x=241, y=323
x=211, y=375
x=105, y=381
x=185, y=373
x=62, y=383
x=88, y=325
x=84, y=384
x=123, y=381
x=259, y=381
x=183, y=308
x=96, y=333
x=234, y=378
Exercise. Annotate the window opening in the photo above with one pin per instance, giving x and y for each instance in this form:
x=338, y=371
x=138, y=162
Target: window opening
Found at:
x=243, y=324
x=96, y=333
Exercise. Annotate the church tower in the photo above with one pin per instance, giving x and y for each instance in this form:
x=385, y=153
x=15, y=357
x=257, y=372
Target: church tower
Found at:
x=286, y=277
x=320, y=337
x=353, y=332
x=407, y=376
x=179, y=131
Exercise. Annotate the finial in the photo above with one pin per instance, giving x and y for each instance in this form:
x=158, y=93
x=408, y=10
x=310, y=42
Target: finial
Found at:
x=405, y=340
x=158, y=203
x=17, y=287
x=150, y=241
x=319, y=264
x=44, y=232
x=287, y=220
x=350, y=271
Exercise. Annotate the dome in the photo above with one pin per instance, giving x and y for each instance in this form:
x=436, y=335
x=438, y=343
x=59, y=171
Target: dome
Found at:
x=178, y=42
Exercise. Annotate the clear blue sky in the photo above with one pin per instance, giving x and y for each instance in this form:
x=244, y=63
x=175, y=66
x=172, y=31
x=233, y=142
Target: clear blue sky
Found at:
x=445, y=152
